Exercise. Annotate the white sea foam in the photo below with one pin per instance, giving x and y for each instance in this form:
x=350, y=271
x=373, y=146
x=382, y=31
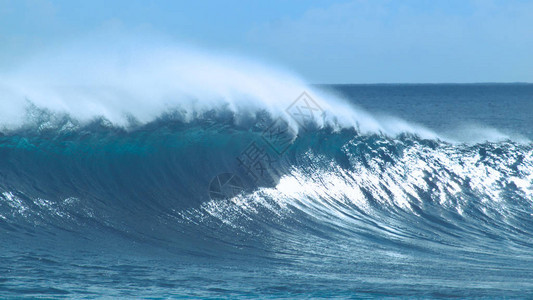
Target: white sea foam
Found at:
x=123, y=77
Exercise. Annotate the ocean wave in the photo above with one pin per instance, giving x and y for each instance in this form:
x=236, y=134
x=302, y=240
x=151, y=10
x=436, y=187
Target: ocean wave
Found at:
x=181, y=147
x=156, y=182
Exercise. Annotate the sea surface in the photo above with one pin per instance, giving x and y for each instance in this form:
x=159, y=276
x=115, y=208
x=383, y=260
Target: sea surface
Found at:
x=211, y=208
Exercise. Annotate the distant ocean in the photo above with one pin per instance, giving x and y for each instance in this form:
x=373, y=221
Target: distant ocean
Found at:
x=428, y=195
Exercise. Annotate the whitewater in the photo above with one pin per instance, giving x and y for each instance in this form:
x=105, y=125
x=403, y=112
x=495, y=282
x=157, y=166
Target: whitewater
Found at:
x=115, y=163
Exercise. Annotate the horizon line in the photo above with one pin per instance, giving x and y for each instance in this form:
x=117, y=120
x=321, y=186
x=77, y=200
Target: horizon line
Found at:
x=428, y=83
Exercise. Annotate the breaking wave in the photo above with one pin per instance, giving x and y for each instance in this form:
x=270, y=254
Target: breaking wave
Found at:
x=153, y=183
x=141, y=145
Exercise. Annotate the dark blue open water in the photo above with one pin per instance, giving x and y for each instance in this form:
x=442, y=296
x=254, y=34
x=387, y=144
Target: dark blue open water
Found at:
x=91, y=210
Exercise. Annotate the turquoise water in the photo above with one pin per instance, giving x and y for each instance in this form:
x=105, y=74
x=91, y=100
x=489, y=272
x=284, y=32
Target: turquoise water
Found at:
x=97, y=211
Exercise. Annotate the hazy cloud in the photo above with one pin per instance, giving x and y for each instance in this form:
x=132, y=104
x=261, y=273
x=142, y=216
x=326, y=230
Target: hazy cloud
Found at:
x=407, y=41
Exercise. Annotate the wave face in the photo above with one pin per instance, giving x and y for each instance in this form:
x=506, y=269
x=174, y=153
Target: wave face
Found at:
x=354, y=212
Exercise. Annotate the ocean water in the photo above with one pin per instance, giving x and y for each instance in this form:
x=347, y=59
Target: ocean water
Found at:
x=458, y=111
x=429, y=194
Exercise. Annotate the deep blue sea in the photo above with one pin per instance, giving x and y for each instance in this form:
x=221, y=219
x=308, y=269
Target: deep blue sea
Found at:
x=213, y=209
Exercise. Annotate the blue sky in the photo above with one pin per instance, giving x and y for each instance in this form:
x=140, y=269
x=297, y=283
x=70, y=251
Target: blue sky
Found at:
x=324, y=41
